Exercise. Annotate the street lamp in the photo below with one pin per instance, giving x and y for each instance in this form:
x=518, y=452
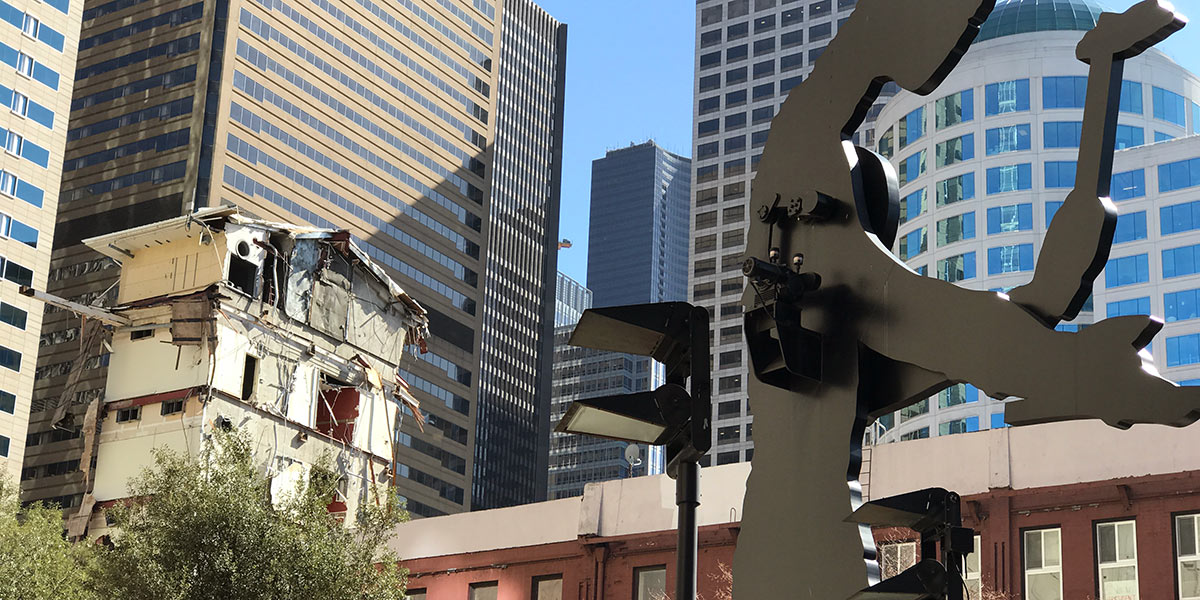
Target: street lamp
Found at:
x=675, y=334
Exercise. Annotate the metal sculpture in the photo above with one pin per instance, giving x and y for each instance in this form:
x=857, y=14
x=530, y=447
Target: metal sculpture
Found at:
x=840, y=331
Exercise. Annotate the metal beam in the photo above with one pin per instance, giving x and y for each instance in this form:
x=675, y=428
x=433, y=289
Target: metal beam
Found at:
x=90, y=312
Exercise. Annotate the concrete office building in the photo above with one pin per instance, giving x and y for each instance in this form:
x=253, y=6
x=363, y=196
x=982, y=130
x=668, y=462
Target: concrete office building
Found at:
x=638, y=229
x=749, y=54
x=576, y=460
x=513, y=426
x=38, y=45
x=359, y=115
x=986, y=160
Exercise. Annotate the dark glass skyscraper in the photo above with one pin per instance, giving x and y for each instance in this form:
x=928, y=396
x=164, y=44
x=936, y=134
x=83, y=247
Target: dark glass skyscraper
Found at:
x=512, y=429
x=638, y=233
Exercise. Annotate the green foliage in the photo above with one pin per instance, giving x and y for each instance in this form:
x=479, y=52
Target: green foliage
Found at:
x=36, y=562
x=207, y=529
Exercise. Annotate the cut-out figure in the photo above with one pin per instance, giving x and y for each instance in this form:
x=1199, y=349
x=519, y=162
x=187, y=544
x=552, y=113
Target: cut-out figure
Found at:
x=889, y=337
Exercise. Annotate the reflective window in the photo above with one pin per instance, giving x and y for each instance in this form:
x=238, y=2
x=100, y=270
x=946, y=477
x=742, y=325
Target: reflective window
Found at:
x=758, y=139
x=1012, y=138
x=957, y=268
x=710, y=60
x=1127, y=270
x=1177, y=306
x=1162, y=137
x=789, y=83
x=708, y=127
x=709, y=83
x=914, y=244
x=959, y=393
x=25, y=64
x=956, y=228
x=30, y=26
x=736, y=76
x=1009, y=178
x=766, y=23
x=16, y=317
x=733, y=99
x=1052, y=209
x=764, y=91
x=1015, y=217
x=1195, y=118
x=738, y=8
x=896, y=557
x=1060, y=174
x=1187, y=555
x=1178, y=262
x=762, y=115
x=10, y=359
x=1131, y=97
x=1061, y=134
x=4, y=445
x=708, y=150
x=1179, y=217
x=1129, y=136
x=954, y=109
x=737, y=53
x=8, y=404
x=735, y=121
x=735, y=144
x=1130, y=227
x=955, y=189
x=791, y=62
x=955, y=150
x=912, y=127
x=1168, y=106
x=710, y=38
x=912, y=205
x=820, y=32
x=1179, y=175
x=959, y=426
x=791, y=39
x=1130, y=184
x=1064, y=92
x=764, y=46
x=912, y=167
x=19, y=104
x=1183, y=350
x=737, y=32
x=1132, y=306
x=1043, y=564
x=707, y=105
x=765, y=68
x=916, y=434
x=819, y=9
x=711, y=15
x=886, y=146
x=791, y=16
x=650, y=583
x=1010, y=259
x=998, y=421
x=1006, y=97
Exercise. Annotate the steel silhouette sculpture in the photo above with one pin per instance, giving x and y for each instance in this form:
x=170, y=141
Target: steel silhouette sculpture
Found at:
x=840, y=331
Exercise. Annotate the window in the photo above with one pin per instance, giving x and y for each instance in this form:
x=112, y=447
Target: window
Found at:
x=1168, y=106
x=912, y=127
x=1127, y=270
x=710, y=16
x=547, y=587
x=1131, y=137
x=709, y=83
x=1131, y=97
x=955, y=229
x=764, y=91
x=712, y=59
x=730, y=408
x=885, y=144
x=762, y=115
x=1187, y=555
x=1051, y=210
x=709, y=150
x=763, y=5
x=24, y=64
x=30, y=26
x=1130, y=184
x=764, y=69
x=415, y=594
x=735, y=144
x=791, y=62
x=8, y=403
x=736, y=76
x=739, y=8
x=707, y=105
x=737, y=32
x=1177, y=306
x=125, y=415
x=954, y=109
x=710, y=38
x=737, y=53
x=965, y=425
x=13, y=143
x=1061, y=134
x=732, y=383
x=1183, y=350
x=1141, y=306
x=913, y=244
x=171, y=407
x=706, y=197
x=762, y=24
x=650, y=583
x=955, y=150
x=1063, y=92
x=957, y=268
x=912, y=205
x=819, y=9
x=1006, y=97
x=4, y=444
x=998, y=421
x=1195, y=118
x=1116, y=544
x=1013, y=138
x=1060, y=174
x=729, y=435
x=12, y=315
x=820, y=32
x=1130, y=227
x=1162, y=137
x=1179, y=175
x=1043, y=564
x=1178, y=262
x=918, y=434
x=971, y=573
x=955, y=189
x=1015, y=217
x=1010, y=178
x=706, y=174
x=19, y=104
x=787, y=84
x=486, y=590
x=959, y=393
x=895, y=557
x=912, y=167
x=791, y=16
x=1010, y=259
x=709, y=127
x=791, y=39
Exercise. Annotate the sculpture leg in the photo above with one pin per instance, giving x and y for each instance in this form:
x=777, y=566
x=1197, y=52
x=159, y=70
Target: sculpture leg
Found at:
x=794, y=542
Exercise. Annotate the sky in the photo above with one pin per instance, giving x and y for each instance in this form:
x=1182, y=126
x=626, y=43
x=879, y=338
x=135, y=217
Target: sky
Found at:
x=629, y=79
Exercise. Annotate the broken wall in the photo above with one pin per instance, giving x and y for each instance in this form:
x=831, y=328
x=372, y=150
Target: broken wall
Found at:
x=172, y=269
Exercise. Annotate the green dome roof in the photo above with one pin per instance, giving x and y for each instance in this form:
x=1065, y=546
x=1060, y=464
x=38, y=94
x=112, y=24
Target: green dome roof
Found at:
x=1026, y=16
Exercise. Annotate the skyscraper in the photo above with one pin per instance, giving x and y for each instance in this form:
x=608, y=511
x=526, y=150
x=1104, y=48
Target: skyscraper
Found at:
x=513, y=420
x=637, y=235
x=749, y=54
x=38, y=45
x=373, y=117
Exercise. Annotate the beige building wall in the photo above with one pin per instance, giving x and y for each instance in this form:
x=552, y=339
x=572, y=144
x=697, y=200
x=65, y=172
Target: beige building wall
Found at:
x=35, y=56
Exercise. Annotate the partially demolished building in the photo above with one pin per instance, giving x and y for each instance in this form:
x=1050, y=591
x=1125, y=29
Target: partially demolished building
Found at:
x=290, y=333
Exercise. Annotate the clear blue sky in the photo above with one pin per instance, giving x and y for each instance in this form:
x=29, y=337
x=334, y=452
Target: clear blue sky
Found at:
x=629, y=79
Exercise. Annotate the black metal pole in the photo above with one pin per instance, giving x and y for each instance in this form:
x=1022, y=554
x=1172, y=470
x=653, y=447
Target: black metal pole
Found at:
x=687, y=498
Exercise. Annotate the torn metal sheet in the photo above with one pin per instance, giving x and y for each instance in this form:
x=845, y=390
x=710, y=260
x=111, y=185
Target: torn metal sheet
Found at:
x=306, y=256
x=331, y=296
x=93, y=345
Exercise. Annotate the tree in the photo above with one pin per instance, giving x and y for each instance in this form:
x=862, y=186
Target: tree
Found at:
x=204, y=528
x=36, y=562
